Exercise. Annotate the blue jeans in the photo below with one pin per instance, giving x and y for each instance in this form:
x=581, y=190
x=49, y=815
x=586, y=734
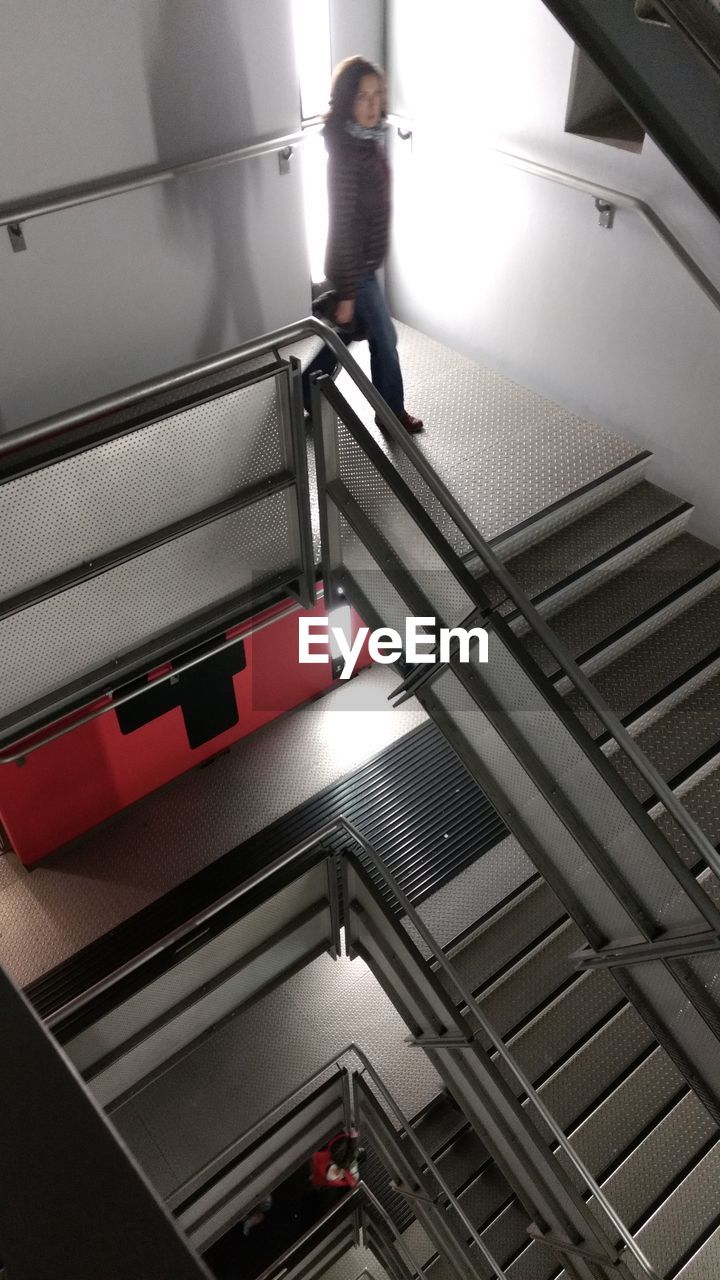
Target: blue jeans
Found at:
x=372, y=314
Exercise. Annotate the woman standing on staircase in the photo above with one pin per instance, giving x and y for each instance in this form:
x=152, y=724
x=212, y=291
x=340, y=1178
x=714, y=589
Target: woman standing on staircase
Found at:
x=359, y=227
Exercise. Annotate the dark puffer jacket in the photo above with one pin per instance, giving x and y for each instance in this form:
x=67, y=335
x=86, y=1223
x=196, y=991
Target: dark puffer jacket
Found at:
x=359, y=209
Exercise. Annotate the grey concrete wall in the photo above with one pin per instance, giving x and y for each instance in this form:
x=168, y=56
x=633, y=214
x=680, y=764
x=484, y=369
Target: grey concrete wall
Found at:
x=516, y=272
x=122, y=289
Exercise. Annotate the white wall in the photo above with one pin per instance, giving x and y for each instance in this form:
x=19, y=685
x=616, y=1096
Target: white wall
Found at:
x=125, y=288
x=516, y=271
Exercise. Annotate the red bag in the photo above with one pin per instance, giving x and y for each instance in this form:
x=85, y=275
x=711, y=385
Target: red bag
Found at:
x=325, y=1171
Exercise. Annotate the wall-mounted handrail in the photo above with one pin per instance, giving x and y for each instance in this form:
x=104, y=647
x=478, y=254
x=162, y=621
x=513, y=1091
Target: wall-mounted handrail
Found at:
x=70, y=197
x=72, y=419
x=623, y=200
x=134, y=179
x=609, y=195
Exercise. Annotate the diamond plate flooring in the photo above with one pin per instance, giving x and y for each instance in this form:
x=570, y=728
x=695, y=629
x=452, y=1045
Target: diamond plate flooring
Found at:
x=507, y=453
x=225, y=1083
x=50, y=913
x=649, y=633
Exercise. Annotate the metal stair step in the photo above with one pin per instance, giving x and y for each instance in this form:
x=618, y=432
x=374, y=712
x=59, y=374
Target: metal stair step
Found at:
x=486, y=1196
x=483, y=955
x=647, y=1179
x=507, y=1235
x=567, y=1021
x=562, y=565
x=705, y=1261
x=463, y=1159
x=438, y=1123
x=536, y=1262
x=635, y=602
x=606, y=1056
x=620, y=1121
x=685, y=1216
x=683, y=735
x=700, y=795
x=644, y=672
x=533, y=980
x=421, y=1248
x=439, y=1270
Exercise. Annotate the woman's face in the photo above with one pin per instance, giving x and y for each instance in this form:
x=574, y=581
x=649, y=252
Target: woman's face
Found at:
x=367, y=107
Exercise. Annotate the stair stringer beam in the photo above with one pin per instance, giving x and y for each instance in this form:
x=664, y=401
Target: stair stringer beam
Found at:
x=615, y=872
x=374, y=1124
x=553, y=1205
x=662, y=77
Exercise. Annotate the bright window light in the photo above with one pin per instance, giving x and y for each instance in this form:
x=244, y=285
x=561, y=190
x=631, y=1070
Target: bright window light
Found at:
x=311, y=22
x=315, y=202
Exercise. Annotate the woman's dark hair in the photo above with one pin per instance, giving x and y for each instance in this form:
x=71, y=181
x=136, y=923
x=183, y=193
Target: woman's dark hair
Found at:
x=345, y=85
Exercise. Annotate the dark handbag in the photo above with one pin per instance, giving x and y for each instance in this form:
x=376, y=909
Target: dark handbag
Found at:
x=325, y=306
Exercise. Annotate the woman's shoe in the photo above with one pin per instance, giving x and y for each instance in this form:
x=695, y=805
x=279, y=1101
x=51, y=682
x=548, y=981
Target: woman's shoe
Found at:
x=413, y=425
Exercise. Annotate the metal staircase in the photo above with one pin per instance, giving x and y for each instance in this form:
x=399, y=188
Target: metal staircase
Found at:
x=574, y=1017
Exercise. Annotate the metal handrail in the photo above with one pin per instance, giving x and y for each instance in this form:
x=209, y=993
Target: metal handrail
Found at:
x=344, y=825
x=427, y=1159
x=70, y=197
x=38, y=738
x=610, y=195
x=499, y=1045
x=624, y=200
x=50, y=428
x=276, y=1269
x=150, y=175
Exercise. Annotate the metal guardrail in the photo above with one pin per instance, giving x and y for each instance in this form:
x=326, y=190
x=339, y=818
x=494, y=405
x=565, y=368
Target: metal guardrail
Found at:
x=278, y=1111
x=465, y=997
x=49, y=429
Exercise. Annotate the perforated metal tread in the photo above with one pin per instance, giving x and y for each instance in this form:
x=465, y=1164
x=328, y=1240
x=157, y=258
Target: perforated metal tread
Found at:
x=656, y=663
x=532, y=980
x=679, y=738
x=641, y=592
x=595, y=1069
x=590, y=540
x=562, y=1026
